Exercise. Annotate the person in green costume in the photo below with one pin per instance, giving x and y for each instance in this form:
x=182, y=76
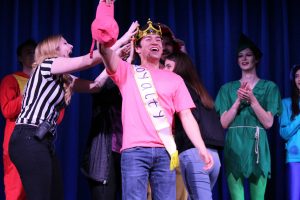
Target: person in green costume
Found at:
x=247, y=108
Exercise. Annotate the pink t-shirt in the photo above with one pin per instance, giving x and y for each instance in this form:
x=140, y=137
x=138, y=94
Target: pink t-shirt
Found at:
x=173, y=95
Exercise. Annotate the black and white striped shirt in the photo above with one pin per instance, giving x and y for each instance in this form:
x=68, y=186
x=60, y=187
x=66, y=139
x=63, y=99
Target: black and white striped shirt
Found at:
x=43, y=97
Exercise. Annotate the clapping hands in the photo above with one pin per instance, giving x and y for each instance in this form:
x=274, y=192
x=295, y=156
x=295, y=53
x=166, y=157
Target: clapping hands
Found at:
x=245, y=93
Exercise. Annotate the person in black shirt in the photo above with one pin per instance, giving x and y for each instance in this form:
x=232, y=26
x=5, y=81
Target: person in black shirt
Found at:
x=199, y=182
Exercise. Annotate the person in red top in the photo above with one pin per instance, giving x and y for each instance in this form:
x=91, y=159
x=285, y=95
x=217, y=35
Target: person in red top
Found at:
x=11, y=92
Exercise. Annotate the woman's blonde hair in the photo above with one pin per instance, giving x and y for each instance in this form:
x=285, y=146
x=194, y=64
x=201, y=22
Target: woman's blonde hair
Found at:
x=49, y=48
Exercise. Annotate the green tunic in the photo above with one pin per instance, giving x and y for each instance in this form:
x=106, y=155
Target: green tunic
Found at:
x=244, y=153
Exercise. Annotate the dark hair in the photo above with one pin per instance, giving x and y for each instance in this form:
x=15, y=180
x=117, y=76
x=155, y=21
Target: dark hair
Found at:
x=245, y=42
x=295, y=93
x=167, y=33
x=184, y=67
x=27, y=43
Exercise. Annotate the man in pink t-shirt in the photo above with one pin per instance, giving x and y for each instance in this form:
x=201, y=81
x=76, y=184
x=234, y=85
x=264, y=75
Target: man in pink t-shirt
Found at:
x=144, y=156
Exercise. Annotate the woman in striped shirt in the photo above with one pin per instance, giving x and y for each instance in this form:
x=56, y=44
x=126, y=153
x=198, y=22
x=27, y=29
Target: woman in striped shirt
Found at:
x=48, y=90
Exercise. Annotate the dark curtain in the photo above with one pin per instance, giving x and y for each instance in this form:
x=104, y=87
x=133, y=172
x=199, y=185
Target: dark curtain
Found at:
x=210, y=29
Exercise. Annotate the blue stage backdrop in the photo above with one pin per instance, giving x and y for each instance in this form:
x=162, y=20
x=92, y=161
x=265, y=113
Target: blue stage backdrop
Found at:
x=210, y=29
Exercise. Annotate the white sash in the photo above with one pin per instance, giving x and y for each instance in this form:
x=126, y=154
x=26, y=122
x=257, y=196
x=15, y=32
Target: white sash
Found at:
x=156, y=112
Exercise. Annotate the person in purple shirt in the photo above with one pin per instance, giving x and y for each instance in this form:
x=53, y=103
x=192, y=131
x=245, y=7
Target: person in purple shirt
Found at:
x=101, y=160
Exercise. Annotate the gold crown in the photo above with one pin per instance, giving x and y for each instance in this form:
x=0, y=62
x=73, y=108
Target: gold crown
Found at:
x=149, y=30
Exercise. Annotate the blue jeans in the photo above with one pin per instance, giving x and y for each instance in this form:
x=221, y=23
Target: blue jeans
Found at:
x=140, y=164
x=198, y=181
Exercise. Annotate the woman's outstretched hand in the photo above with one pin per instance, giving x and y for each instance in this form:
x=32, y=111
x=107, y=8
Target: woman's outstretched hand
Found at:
x=130, y=33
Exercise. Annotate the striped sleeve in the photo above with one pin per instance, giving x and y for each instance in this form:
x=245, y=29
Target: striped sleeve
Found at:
x=46, y=69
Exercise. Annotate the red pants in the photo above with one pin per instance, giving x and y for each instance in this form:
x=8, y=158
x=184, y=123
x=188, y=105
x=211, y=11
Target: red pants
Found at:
x=12, y=182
